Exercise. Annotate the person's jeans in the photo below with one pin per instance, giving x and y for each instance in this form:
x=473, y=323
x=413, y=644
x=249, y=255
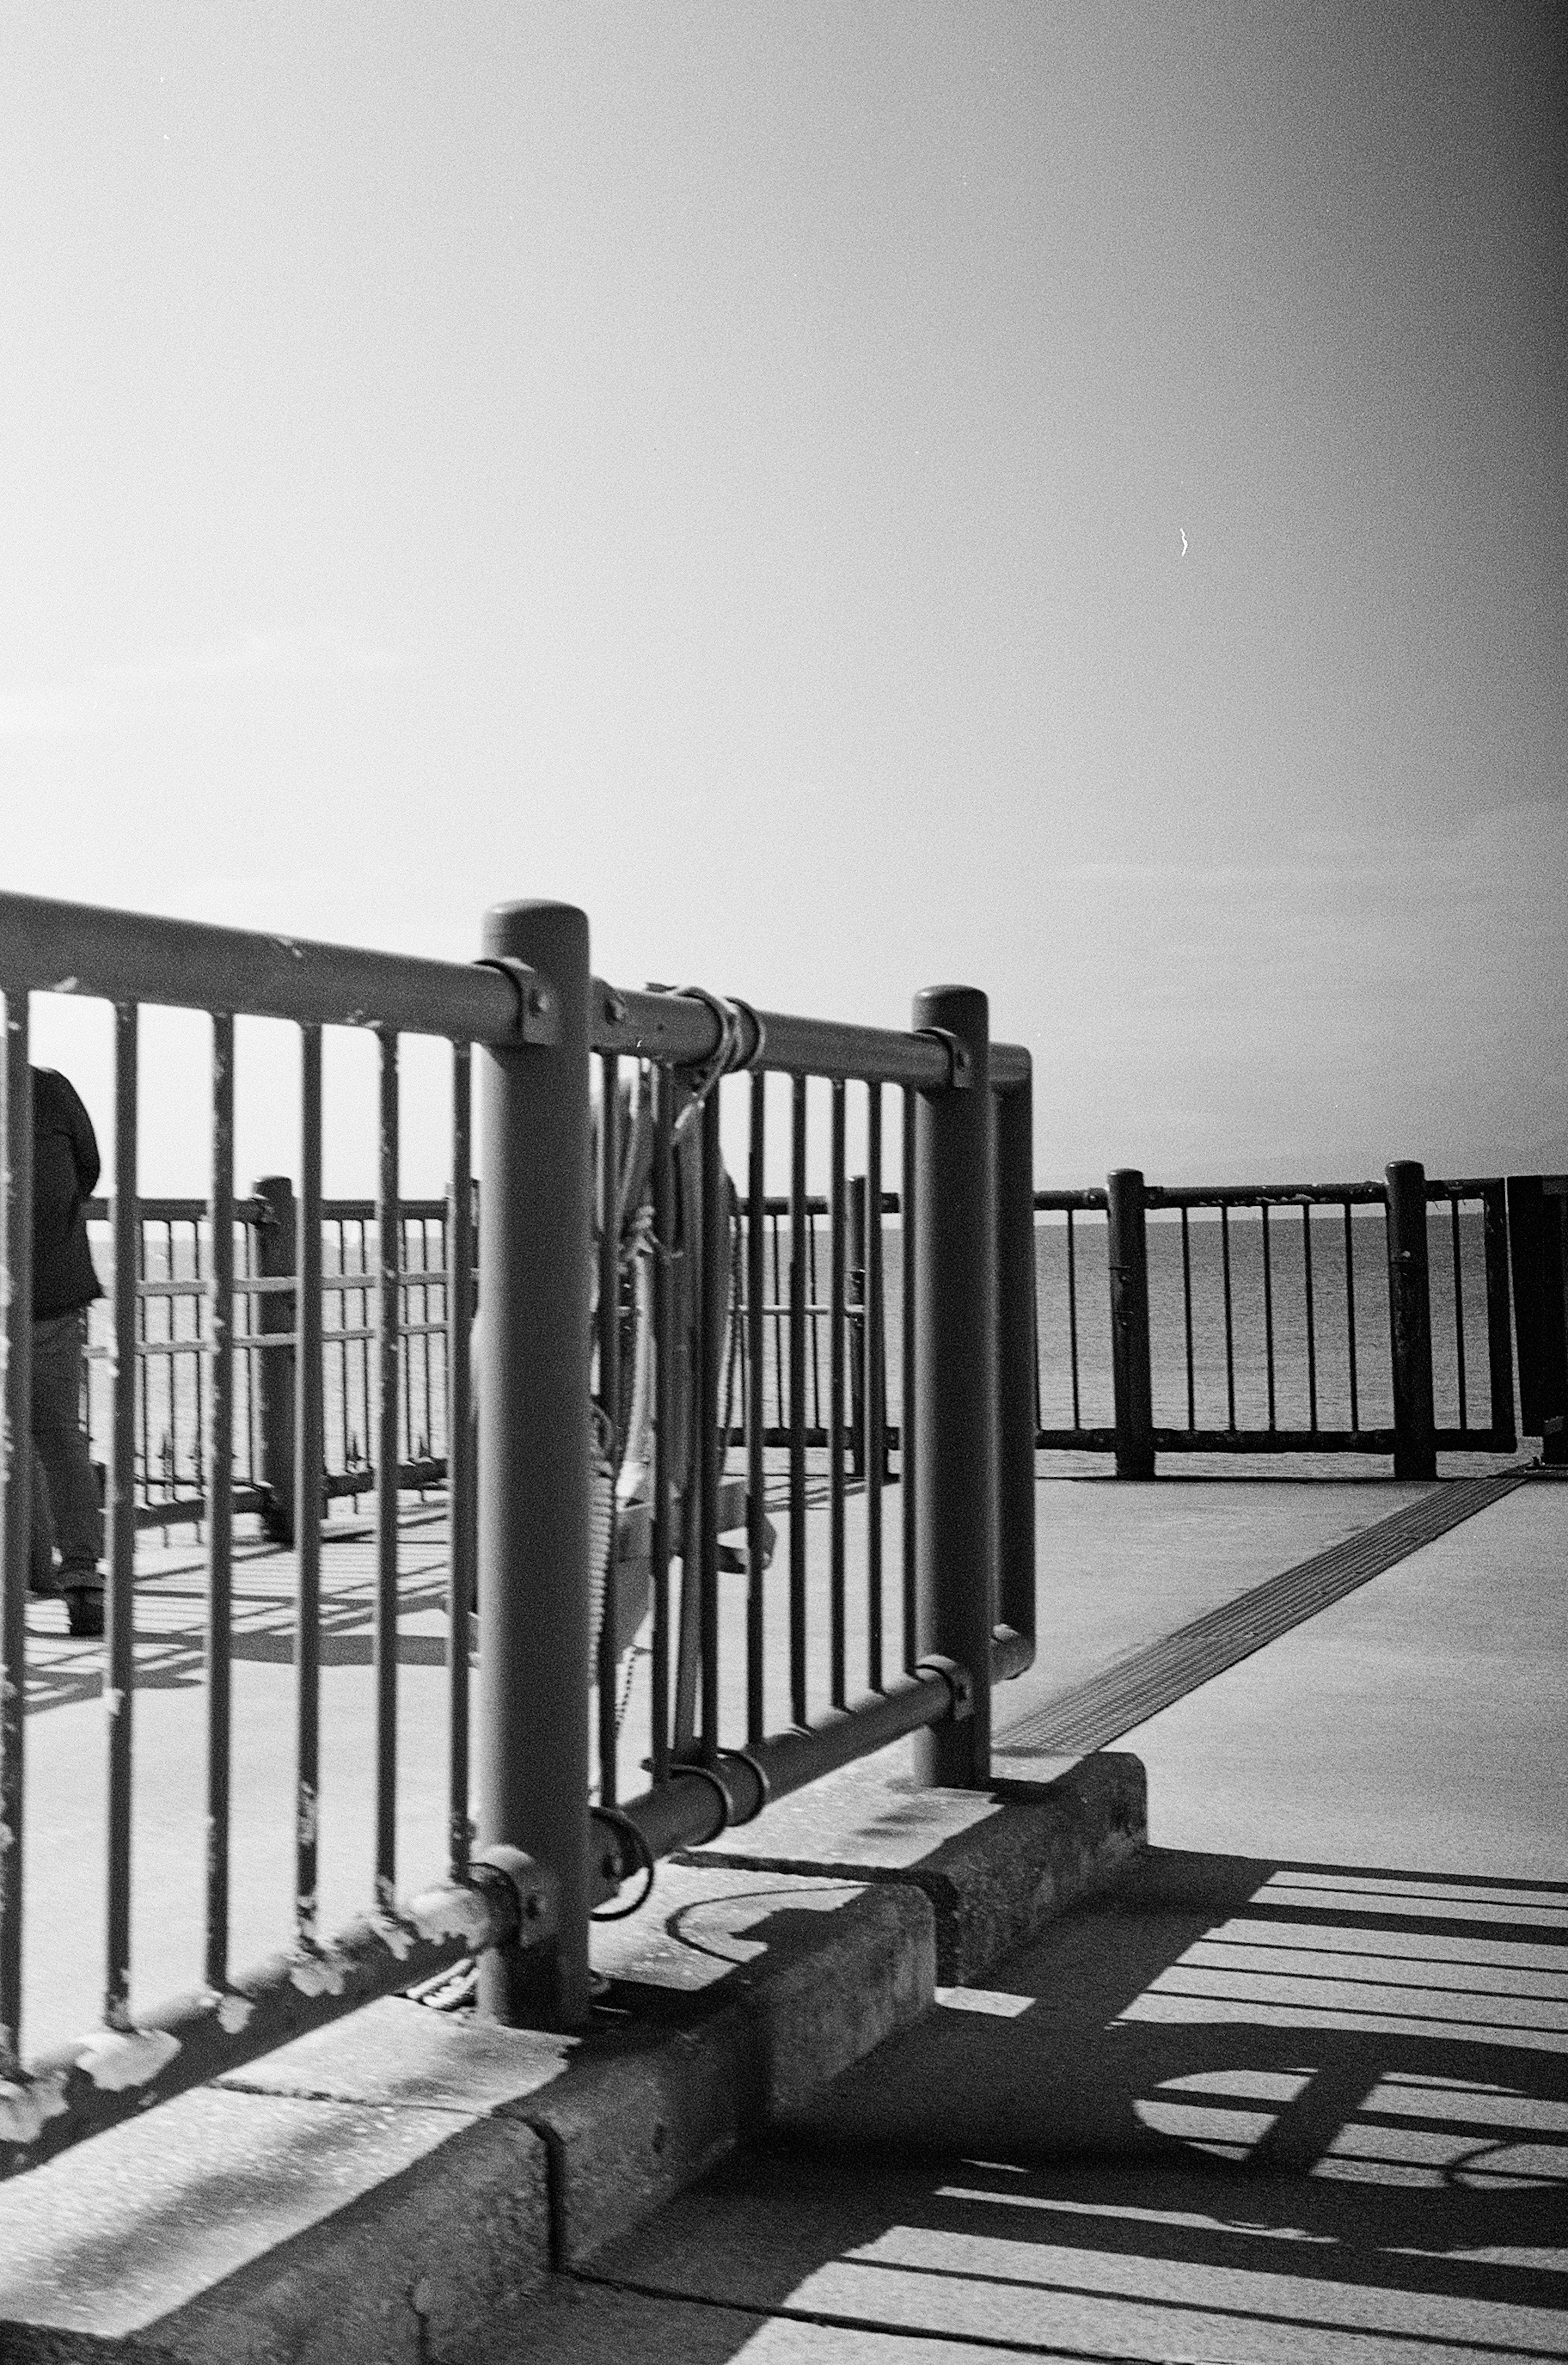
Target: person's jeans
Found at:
x=65, y=1487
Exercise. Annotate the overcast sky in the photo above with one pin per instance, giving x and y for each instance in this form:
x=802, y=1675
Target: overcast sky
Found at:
x=1067, y=498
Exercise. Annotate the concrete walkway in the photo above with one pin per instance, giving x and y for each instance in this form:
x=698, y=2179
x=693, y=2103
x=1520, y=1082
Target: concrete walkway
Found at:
x=1293, y=2087
x=1120, y=1565
x=1298, y=2089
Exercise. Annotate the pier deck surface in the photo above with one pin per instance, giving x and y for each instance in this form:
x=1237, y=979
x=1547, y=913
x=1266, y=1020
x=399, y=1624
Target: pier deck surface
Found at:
x=1298, y=2089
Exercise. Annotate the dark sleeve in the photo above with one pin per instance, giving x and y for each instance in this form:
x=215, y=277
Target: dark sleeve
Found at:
x=83, y=1140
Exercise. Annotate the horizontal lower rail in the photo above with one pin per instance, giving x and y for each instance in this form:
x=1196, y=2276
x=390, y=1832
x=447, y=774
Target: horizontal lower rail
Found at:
x=185, y=1510
x=700, y=1801
x=1273, y=1440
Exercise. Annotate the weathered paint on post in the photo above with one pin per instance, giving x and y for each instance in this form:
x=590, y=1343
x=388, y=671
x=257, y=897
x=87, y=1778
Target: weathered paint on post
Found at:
x=956, y=1381
x=1132, y=1385
x=535, y=1243
x=1410, y=1322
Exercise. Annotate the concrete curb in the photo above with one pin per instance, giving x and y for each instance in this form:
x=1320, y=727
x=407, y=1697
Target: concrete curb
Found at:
x=995, y=1864
x=392, y=2187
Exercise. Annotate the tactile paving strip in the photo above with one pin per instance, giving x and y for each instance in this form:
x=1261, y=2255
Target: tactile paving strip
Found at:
x=1093, y=1713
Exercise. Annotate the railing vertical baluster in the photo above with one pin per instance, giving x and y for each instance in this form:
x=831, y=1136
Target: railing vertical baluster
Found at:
x=389, y=1262
x=874, y=1397
x=1229, y=1321
x=664, y=1473
x=1499, y=1328
x=756, y=1423
x=362, y=1322
x=714, y=1304
x=409, y=1438
x=1351, y=1317
x=813, y=1319
x=459, y=1459
x=1269, y=1314
x=308, y=1487
x=1458, y=1311
x=119, y=1673
x=1187, y=1314
x=347, y=1322
x=1072, y=1319
x=781, y=1397
x=219, y=1459
x=1034, y=1284
x=425, y=1335
x=907, y=1413
x=1015, y=1155
x=838, y=1268
x=276, y=1314
x=142, y=1394
x=1311, y=1316
x=197, y=1371
x=855, y=1321
x=534, y=1461
x=609, y=1407
x=797, y=1400
x=15, y=1487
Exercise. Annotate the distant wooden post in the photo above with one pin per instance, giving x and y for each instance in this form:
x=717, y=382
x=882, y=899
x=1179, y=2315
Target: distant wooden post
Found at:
x=1131, y=1380
x=1410, y=1322
x=277, y=1246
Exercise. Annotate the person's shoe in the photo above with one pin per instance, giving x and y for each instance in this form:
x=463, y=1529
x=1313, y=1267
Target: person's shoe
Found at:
x=85, y=1613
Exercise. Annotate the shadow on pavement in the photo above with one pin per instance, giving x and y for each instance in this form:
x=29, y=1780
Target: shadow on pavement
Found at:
x=1238, y=2108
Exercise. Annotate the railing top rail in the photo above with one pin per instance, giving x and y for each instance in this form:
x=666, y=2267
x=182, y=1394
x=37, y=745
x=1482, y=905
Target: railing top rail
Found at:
x=1058, y=1201
x=1463, y=1186
x=689, y=1029
x=257, y=1211
x=1265, y=1195
x=87, y=948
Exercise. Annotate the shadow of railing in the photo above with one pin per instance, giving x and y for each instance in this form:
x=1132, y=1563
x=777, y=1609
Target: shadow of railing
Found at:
x=1322, y=2106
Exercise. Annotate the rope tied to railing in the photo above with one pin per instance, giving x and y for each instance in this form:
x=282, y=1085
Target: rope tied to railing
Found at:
x=729, y=1055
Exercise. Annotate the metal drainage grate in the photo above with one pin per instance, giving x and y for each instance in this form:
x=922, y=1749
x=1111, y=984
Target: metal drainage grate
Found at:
x=1101, y=1709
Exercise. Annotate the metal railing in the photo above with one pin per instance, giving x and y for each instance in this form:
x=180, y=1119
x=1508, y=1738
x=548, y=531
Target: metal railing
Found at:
x=174, y=1291
x=1362, y=1309
x=749, y=1694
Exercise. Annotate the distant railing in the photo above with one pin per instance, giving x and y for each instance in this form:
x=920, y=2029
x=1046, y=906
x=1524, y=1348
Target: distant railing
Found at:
x=1366, y=1307
x=173, y=1343
x=1258, y=1297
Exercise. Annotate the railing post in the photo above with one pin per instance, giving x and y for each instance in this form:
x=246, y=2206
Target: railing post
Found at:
x=276, y=1251
x=1016, y=1360
x=1410, y=1322
x=955, y=1347
x=1554, y=1268
x=1499, y=1328
x=534, y=1473
x=1132, y=1385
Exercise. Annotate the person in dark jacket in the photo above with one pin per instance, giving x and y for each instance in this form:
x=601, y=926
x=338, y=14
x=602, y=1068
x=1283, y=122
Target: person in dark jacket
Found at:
x=65, y=1491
